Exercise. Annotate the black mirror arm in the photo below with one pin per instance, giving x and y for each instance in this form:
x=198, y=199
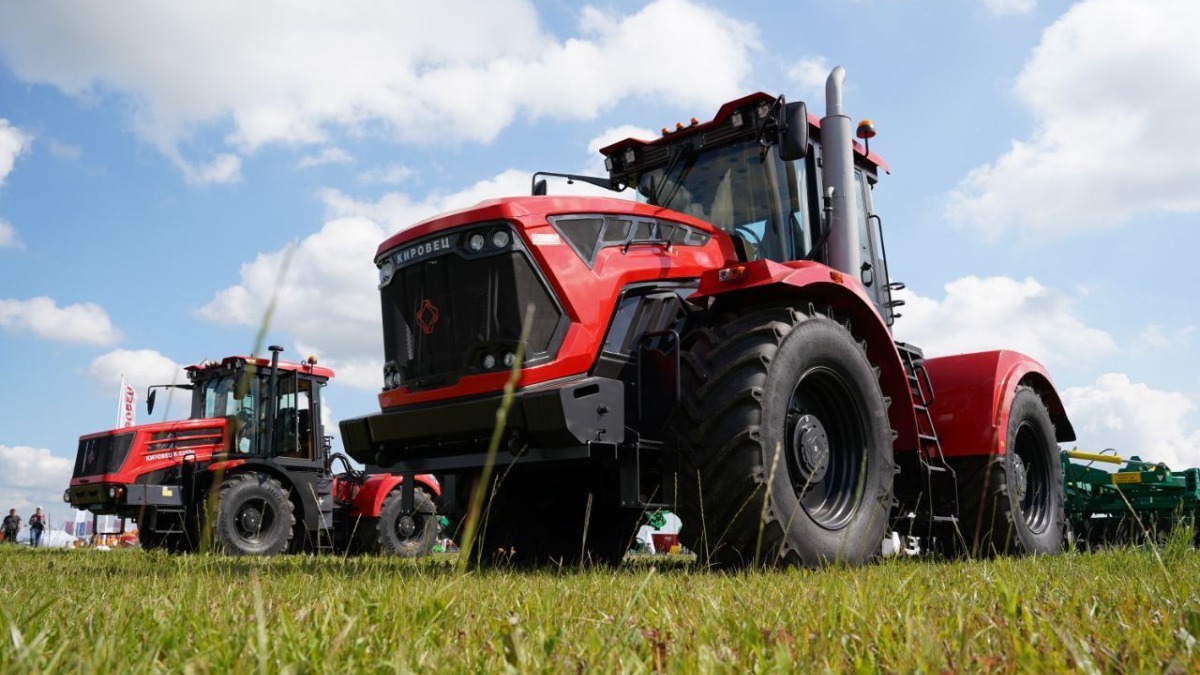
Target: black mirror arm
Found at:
x=605, y=183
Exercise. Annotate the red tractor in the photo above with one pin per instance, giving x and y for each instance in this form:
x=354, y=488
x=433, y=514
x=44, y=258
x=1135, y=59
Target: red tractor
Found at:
x=722, y=345
x=252, y=467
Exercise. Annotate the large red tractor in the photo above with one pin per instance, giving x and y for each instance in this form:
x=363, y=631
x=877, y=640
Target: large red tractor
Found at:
x=253, y=467
x=721, y=345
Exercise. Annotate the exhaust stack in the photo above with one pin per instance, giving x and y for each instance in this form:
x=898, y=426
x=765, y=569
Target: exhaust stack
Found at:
x=838, y=160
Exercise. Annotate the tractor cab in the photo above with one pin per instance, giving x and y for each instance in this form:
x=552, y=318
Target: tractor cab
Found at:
x=272, y=408
x=756, y=171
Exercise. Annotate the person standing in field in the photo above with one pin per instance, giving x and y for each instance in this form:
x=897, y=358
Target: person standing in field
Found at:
x=12, y=525
x=37, y=525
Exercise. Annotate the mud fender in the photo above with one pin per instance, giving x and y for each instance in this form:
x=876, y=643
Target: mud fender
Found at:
x=973, y=394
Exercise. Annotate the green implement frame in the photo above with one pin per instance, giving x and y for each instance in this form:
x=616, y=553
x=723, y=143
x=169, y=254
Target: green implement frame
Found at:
x=1138, y=502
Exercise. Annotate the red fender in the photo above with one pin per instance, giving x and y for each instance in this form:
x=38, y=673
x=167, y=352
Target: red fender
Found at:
x=973, y=394
x=798, y=283
x=368, y=500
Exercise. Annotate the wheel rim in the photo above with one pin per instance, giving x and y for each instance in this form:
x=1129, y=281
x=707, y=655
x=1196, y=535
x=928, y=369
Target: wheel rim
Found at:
x=1031, y=478
x=406, y=528
x=253, y=518
x=826, y=440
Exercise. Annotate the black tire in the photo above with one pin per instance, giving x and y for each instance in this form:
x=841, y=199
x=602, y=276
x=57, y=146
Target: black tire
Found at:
x=254, y=516
x=408, y=535
x=1013, y=505
x=785, y=444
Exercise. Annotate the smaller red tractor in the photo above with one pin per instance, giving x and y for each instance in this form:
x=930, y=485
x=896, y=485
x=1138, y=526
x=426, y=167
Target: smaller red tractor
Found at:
x=252, y=466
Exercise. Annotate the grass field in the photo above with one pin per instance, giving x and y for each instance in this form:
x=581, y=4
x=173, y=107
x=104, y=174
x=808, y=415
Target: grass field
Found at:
x=131, y=611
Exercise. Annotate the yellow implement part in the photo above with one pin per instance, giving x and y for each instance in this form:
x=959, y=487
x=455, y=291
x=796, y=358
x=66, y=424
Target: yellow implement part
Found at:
x=1094, y=457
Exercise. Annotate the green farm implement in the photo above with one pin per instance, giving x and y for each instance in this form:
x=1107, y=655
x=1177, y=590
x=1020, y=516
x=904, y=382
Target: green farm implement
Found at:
x=1139, y=502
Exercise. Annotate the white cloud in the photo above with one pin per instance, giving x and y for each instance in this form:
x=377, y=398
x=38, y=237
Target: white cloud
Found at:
x=13, y=143
x=8, y=236
x=142, y=368
x=808, y=75
x=278, y=72
x=326, y=156
x=64, y=150
x=32, y=477
x=1006, y=7
x=1158, y=426
x=85, y=323
x=389, y=175
x=1001, y=313
x=1106, y=86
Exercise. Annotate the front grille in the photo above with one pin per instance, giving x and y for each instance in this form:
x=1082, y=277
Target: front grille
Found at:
x=443, y=315
x=102, y=454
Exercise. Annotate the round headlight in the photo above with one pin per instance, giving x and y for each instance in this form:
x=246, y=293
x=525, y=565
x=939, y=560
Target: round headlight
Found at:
x=475, y=243
x=112, y=493
x=386, y=269
x=509, y=359
x=67, y=496
x=501, y=238
x=488, y=361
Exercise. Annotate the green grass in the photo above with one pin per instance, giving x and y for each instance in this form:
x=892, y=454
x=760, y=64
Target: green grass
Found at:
x=131, y=611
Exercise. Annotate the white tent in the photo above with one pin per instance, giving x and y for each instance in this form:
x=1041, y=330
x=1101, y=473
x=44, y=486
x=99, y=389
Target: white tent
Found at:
x=50, y=538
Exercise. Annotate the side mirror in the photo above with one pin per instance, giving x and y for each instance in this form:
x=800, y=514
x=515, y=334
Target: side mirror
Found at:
x=539, y=188
x=150, y=401
x=793, y=137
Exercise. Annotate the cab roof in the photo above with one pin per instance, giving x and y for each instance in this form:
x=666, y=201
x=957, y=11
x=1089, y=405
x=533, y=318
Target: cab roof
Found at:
x=284, y=366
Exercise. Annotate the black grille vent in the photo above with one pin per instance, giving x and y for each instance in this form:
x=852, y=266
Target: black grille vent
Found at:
x=443, y=315
x=102, y=454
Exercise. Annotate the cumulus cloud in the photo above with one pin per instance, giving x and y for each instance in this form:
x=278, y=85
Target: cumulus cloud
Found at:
x=32, y=477
x=142, y=368
x=1135, y=419
x=84, y=323
x=1106, y=87
x=326, y=156
x=13, y=143
x=1006, y=7
x=278, y=72
x=980, y=314
x=808, y=75
x=64, y=150
x=8, y=236
x=390, y=175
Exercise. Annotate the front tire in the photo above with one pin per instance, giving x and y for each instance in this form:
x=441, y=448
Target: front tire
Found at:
x=408, y=535
x=1014, y=504
x=254, y=516
x=785, y=445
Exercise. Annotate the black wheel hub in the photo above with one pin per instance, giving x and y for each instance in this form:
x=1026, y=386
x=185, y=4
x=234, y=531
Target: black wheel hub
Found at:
x=810, y=448
x=1020, y=477
x=406, y=527
x=249, y=521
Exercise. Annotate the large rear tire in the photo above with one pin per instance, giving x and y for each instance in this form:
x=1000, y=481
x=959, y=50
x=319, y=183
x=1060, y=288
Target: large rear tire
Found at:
x=785, y=445
x=1014, y=503
x=254, y=516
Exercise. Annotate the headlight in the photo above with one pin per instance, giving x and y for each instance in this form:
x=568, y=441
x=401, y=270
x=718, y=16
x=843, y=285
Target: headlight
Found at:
x=386, y=269
x=475, y=243
x=509, y=359
x=501, y=238
x=488, y=361
x=67, y=496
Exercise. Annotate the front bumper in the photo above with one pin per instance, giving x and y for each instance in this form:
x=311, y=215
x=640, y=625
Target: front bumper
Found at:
x=549, y=423
x=113, y=498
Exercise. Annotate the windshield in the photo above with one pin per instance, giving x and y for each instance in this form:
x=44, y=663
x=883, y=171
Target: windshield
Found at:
x=744, y=189
x=217, y=397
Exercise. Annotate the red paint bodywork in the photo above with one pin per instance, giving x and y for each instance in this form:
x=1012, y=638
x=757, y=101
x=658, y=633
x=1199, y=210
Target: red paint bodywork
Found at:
x=974, y=393
x=589, y=296
x=368, y=498
x=147, y=455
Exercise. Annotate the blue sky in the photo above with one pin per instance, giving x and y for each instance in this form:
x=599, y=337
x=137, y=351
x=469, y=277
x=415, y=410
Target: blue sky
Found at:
x=158, y=159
